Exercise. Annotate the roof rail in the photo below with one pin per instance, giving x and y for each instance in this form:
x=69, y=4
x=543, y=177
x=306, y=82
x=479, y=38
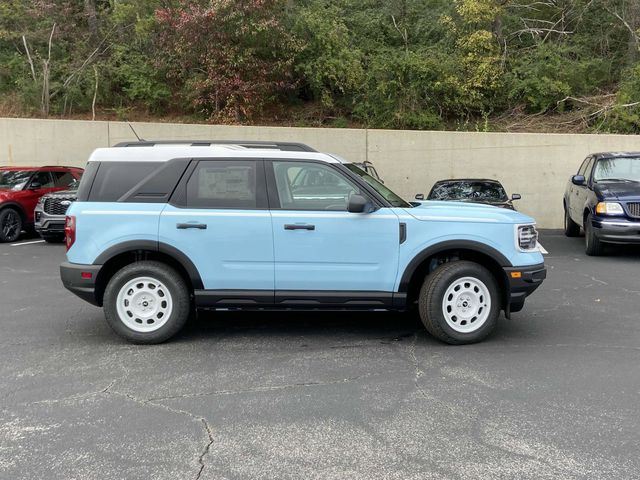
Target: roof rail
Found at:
x=284, y=146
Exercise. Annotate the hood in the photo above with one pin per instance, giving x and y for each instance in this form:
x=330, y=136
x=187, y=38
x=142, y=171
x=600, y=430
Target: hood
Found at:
x=497, y=203
x=435, y=210
x=63, y=193
x=625, y=191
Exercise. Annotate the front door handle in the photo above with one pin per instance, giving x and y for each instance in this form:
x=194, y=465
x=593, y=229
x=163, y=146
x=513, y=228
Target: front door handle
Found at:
x=298, y=226
x=184, y=226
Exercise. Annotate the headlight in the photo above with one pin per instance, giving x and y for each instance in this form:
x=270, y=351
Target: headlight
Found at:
x=41, y=201
x=609, y=208
x=527, y=238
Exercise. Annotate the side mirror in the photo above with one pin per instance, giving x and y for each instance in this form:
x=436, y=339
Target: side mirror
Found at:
x=420, y=196
x=35, y=186
x=578, y=180
x=516, y=196
x=357, y=204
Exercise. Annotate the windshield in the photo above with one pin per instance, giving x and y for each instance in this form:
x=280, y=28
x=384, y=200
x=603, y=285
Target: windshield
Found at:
x=617, y=170
x=14, y=179
x=470, y=191
x=392, y=198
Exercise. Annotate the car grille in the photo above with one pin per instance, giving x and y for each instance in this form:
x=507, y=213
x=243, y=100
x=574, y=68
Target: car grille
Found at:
x=634, y=209
x=53, y=205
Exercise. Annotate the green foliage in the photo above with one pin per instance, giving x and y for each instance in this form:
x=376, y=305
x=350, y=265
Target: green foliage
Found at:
x=327, y=61
x=542, y=77
x=625, y=116
x=418, y=64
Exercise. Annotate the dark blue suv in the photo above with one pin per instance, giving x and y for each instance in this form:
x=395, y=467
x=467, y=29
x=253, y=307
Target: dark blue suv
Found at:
x=604, y=199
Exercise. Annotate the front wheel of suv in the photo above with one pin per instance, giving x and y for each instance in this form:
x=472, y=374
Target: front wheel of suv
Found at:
x=10, y=225
x=460, y=302
x=146, y=302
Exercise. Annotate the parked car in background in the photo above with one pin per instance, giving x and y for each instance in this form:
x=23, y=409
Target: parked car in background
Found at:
x=20, y=190
x=603, y=198
x=50, y=211
x=158, y=231
x=476, y=190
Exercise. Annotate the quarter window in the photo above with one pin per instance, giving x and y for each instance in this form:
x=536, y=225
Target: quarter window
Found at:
x=312, y=186
x=226, y=184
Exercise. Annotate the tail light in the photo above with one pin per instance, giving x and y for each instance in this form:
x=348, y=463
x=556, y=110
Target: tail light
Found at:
x=69, y=230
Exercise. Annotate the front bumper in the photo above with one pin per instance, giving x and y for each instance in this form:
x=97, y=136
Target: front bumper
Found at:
x=81, y=280
x=46, y=224
x=616, y=230
x=522, y=281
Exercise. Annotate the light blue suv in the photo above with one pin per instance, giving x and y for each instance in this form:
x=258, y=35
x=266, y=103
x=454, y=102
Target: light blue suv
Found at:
x=162, y=228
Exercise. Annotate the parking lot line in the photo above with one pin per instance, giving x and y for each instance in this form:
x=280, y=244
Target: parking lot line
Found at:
x=542, y=249
x=26, y=243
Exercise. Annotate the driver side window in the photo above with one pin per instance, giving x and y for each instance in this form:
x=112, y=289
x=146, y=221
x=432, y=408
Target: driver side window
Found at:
x=312, y=186
x=43, y=179
x=583, y=167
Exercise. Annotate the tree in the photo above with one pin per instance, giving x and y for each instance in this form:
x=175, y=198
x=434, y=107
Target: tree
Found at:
x=231, y=57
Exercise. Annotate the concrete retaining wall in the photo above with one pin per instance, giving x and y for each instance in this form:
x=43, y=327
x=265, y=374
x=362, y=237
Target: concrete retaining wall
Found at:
x=534, y=165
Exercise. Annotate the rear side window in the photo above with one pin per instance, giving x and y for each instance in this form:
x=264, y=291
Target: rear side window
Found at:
x=227, y=184
x=114, y=179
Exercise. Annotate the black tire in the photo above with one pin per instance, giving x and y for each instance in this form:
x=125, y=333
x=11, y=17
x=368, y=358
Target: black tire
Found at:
x=179, y=294
x=10, y=225
x=571, y=228
x=592, y=244
x=432, y=297
x=52, y=238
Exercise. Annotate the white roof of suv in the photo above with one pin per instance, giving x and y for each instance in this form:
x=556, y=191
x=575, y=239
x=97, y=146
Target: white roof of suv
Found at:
x=166, y=152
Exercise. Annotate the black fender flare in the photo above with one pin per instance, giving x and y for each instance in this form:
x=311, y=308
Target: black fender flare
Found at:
x=479, y=247
x=154, y=246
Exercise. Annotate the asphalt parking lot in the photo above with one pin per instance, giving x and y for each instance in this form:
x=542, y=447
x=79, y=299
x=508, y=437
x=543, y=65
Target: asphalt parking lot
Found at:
x=554, y=393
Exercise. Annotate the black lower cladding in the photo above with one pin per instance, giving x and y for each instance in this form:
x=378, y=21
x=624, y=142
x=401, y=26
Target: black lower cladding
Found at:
x=520, y=287
x=80, y=279
x=298, y=299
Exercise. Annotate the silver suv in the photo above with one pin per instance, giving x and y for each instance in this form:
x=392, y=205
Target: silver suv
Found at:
x=50, y=212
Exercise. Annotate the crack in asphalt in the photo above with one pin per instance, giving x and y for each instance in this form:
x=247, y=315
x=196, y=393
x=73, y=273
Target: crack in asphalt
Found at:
x=207, y=428
x=206, y=448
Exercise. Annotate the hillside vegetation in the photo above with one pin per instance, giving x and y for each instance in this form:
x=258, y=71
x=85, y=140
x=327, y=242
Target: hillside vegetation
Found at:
x=509, y=65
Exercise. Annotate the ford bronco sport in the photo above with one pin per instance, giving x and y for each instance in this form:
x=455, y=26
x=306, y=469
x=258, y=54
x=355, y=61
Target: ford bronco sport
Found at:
x=159, y=229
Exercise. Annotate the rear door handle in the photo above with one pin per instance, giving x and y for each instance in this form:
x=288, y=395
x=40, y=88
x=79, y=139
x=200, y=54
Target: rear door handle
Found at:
x=298, y=226
x=184, y=226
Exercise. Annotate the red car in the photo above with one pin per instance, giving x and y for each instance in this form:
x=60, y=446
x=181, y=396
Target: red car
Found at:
x=20, y=190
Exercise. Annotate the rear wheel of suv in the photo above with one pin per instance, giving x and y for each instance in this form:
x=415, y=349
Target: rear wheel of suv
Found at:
x=593, y=246
x=460, y=302
x=571, y=228
x=10, y=225
x=146, y=302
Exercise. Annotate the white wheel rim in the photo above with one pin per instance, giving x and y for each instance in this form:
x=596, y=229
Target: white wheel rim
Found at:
x=144, y=304
x=466, y=304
